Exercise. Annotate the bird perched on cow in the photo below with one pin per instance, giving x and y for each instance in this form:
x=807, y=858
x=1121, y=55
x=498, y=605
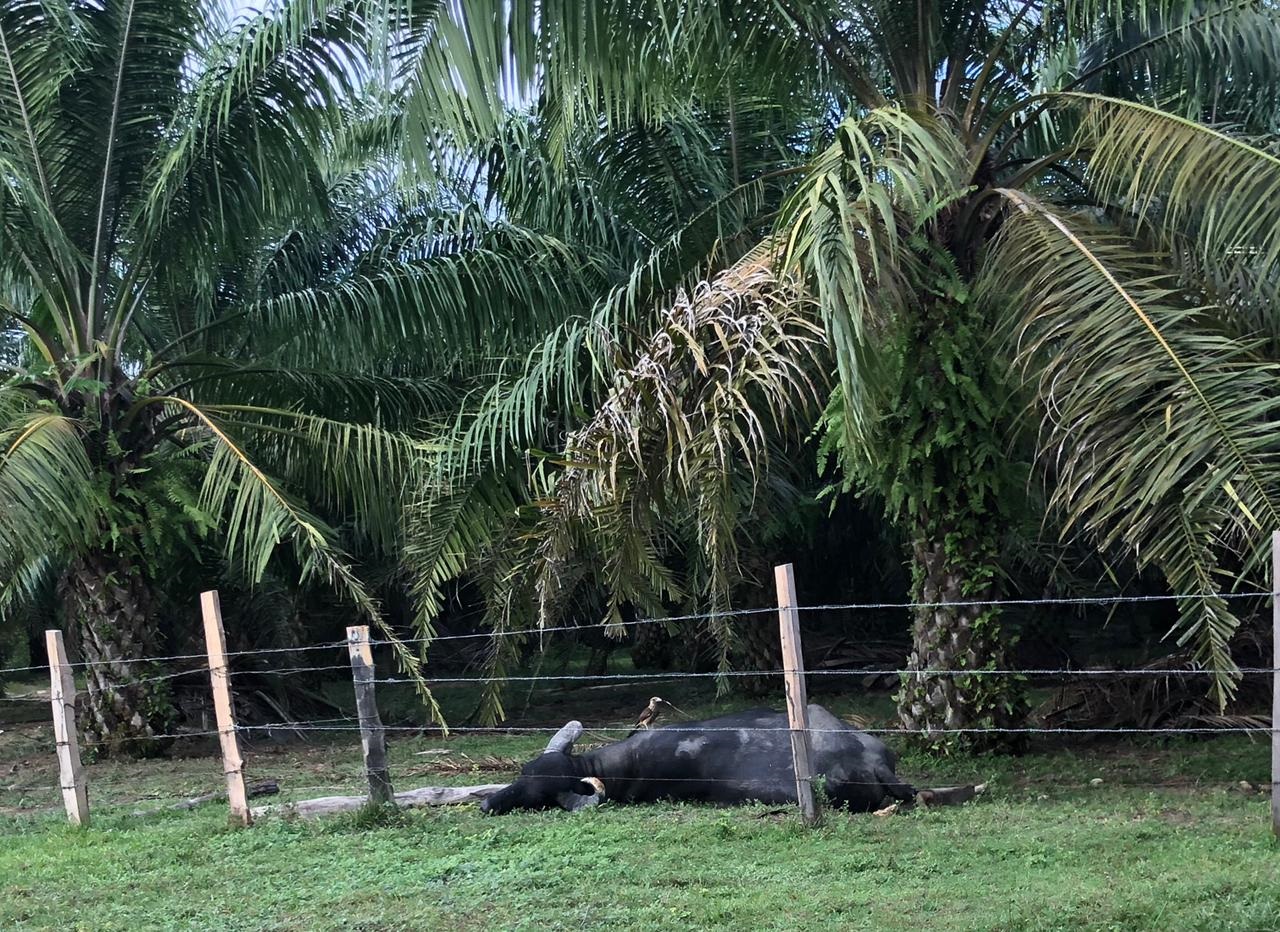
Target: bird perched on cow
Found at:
x=650, y=714
x=656, y=706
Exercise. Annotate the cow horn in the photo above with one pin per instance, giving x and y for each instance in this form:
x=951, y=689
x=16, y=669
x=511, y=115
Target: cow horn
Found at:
x=562, y=743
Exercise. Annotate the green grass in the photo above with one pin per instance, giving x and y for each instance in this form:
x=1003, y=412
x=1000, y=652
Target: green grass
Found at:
x=1167, y=841
x=1097, y=860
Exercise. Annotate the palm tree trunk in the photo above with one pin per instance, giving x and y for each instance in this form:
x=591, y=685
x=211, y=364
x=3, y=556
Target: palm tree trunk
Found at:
x=951, y=484
x=652, y=646
x=107, y=602
x=954, y=630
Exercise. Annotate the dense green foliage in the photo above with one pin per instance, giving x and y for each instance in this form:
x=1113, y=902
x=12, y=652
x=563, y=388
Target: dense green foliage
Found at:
x=211, y=287
x=1027, y=170
x=532, y=309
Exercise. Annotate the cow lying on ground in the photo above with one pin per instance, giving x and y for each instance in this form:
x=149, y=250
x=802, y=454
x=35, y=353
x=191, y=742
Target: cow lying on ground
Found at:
x=738, y=758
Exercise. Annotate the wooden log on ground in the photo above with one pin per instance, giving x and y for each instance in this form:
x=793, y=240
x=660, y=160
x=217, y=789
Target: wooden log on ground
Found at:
x=264, y=788
x=937, y=796
x=950, y=795
x=424, y=796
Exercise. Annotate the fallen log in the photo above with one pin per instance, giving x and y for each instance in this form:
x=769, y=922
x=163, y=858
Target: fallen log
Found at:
x=423, y=796
x=265, y=788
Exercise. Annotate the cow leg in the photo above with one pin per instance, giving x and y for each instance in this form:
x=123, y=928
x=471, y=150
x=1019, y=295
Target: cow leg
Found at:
x=951, y=795
x=903, y=792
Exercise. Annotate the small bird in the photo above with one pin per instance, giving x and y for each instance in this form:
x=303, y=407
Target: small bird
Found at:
x=650, y=714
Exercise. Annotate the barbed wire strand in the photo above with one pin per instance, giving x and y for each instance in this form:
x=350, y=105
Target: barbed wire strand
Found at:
x=1080, y=600
x=846, y=606
x=287, y=790
x=914, y=779
x=135, y=682
x=836, y=606
x=287, y=671
x=336, y=645
x=354, y=788
x=677, y=675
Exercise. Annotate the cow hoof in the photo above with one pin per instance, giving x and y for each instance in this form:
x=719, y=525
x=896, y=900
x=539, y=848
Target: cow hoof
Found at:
x=886, y=811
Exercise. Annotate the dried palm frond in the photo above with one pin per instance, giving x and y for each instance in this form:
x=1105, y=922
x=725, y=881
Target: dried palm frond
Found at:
x=687, y=427
x=464, y=763
x=1164, y=695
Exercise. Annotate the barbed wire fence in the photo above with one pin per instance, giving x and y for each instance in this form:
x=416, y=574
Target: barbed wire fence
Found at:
x=217, y=663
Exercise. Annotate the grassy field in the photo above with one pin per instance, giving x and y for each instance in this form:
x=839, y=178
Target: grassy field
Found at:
x=1167, y=840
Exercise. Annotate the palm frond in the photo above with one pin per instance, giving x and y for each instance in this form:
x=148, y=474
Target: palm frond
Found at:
x=573, y=363
x=48, y=492
x=1182, y=179
x=24, y=584
x=34, y=38
x=1155, y=418
x=246, y=147
x=469, y=293
x=889, y=171
x=260, y=515
x=355, y=470
x=391, y=402
x=1217, y=61
x=451, y=532
x=731, y=366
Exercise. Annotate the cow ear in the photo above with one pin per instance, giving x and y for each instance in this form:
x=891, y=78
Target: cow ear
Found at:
x=588, y=793
x=562, y=743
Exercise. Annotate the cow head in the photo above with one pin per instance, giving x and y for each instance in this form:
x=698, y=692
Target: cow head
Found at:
x=553, y=778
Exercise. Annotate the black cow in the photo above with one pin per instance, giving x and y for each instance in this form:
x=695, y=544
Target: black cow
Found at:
x=735, y=758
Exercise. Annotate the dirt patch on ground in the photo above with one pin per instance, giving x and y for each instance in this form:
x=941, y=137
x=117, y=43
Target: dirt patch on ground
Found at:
x=1171, y=816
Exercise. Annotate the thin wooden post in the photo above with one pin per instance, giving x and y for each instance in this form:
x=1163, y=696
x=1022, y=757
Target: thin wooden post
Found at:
x=1275, y=683
x=372, y=735
x=797, y=695
x=220, y=678
x=62, y=695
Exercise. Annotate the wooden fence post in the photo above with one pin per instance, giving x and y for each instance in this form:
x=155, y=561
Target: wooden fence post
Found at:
x=797, y=695
x=372, y=735
x=62, y=695
x=220, y=678
x=1275, y=683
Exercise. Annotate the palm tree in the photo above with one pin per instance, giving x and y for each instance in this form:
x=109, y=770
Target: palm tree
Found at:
x=1009, y=213
x=648, y=203
x=221, y=312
